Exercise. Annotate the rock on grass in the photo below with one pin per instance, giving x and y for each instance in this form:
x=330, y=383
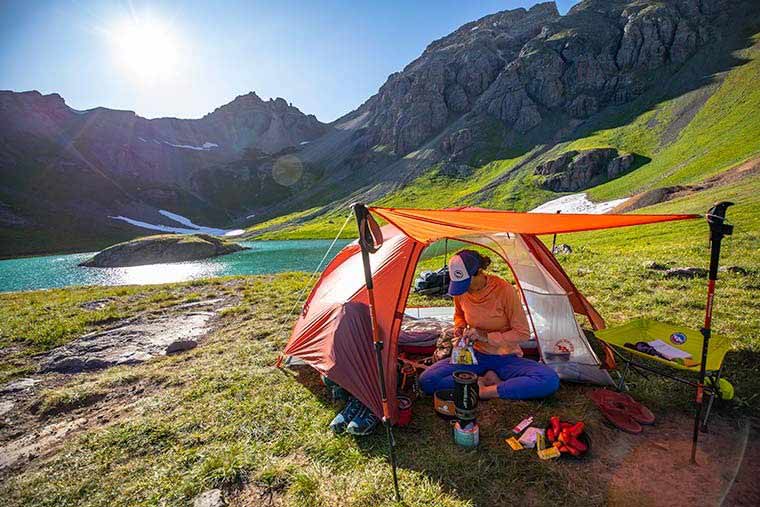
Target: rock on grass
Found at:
x=162, y=248
x=210, y=498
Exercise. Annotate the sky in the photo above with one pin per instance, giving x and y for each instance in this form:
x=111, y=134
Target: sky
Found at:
x=186, y=58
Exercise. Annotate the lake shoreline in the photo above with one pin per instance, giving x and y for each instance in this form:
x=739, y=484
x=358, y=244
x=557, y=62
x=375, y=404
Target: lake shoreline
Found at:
x=30, y=273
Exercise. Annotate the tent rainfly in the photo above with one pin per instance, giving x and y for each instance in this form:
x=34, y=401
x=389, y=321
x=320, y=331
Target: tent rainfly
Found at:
x=326, y=335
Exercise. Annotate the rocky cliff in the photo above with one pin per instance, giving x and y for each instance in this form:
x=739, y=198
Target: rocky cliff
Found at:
x=511, y=82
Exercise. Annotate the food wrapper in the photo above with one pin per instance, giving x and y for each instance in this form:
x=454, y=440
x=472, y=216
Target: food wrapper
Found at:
x=463, y=353
x=549, y=453
x=514, y=444
x=531, y=435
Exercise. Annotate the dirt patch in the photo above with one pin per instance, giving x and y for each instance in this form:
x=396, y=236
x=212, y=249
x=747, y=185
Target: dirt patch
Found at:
x=258, y=494
x=658, y=195
x=39, y=443
x=654, y=468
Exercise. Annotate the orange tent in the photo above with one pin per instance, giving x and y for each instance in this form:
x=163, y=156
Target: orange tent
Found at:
x=330, y=339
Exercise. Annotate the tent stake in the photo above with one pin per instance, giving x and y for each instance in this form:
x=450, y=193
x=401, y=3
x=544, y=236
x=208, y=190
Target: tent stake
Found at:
x=365, y=240
x=716, y=217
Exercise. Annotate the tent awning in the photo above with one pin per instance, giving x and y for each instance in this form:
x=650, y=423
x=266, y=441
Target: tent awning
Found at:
x=427, y=225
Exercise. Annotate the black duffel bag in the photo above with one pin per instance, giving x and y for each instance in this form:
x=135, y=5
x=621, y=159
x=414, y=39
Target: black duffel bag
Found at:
x=433, y=283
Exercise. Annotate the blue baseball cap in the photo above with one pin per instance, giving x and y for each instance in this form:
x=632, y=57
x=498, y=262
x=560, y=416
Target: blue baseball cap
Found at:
x=462, y=266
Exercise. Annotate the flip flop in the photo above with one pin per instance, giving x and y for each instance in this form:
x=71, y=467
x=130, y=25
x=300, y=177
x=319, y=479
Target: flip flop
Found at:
x=615, y=411
x=636, y=410
x=640, y=413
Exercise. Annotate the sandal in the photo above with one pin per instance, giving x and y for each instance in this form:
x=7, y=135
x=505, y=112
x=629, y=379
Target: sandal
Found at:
x=636, y=410
x=615, y=410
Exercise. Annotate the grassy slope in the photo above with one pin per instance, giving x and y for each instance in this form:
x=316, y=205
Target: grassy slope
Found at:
x=720, y=135
x=264, y=430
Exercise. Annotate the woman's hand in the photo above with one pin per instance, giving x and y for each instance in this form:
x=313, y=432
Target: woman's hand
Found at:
x=476, y=335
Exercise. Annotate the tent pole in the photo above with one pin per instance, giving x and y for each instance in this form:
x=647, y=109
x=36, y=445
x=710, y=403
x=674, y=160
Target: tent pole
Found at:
x=362, y=216
x=716, y=217
x=554, y=238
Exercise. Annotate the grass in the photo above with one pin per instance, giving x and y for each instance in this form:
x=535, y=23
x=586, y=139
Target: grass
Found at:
x=222, y=415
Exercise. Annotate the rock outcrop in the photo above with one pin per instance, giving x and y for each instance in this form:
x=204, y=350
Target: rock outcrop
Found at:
x=448, y=79
x=577, y=170
x=526, y=66
x=160, y=249
x=131, y=342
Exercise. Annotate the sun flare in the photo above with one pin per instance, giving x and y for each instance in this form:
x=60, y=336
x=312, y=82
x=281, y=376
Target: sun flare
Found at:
x=148, y=49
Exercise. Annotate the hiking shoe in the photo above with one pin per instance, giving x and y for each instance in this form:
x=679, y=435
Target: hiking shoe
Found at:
x=363, y=424
x=351, y=410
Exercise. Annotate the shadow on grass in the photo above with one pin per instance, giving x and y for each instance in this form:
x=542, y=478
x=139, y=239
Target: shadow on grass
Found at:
x=491, y=474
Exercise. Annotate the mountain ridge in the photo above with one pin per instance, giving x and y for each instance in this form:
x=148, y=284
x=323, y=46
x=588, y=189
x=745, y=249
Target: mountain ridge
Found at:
x=478, y=111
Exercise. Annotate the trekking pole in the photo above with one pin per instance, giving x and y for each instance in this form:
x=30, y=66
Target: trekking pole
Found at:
x=368, y=241
x=716, y=217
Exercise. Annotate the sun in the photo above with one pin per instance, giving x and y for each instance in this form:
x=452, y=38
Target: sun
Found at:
x=146, y=48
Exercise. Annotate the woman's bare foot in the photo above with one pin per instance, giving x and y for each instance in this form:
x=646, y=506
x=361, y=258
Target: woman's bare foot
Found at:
x=488, y=392
x=487, y=385
x=490, y=378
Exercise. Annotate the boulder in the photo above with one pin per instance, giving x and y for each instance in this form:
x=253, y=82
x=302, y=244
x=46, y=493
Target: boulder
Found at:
x=180, y=346
x=210, y=498
x=161, y=249
x=577, y=170
x=657, y=266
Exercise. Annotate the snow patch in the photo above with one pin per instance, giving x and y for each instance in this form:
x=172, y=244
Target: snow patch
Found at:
x=304, y=142
x=577, y=203
x=190, y=227
x=204, y=147
x=474, y=28
x=141, y=140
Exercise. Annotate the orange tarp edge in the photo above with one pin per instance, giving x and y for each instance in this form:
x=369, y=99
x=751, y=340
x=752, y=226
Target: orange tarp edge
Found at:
x=427, y=225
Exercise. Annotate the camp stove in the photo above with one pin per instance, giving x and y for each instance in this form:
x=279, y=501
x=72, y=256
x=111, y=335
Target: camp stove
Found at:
x=466, y=394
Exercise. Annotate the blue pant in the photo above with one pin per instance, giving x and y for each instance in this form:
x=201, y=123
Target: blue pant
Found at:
x=521, y=379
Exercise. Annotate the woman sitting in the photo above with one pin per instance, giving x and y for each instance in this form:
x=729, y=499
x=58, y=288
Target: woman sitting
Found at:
x=488, y=312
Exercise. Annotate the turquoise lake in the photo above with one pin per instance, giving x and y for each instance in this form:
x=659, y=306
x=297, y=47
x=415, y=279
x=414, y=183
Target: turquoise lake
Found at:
x=263, y=257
